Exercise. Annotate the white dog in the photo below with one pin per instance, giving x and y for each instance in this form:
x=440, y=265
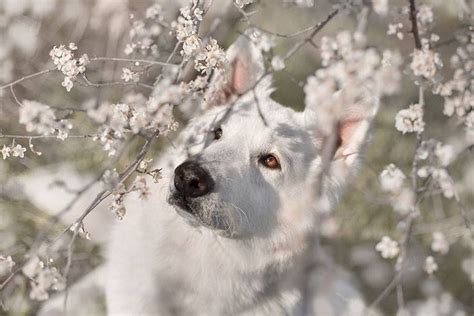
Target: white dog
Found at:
x=223, y=231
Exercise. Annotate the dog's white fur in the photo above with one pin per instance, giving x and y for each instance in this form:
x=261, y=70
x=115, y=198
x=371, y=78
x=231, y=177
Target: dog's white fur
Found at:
x=237, y=255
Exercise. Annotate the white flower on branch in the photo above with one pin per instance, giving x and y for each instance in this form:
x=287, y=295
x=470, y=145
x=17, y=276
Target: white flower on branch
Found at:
x=440, y=179
x=430, y=265
x=278, y=63
x=43, y=279
x=6, y=264
x=395, y=29
x=210, y=58
x=129, y=75
x=425, y=14
x=380, y=7
x=391, y=179
x=425, y=63
x=110, y=179
x=6, y=151
x=242, y=3
x=410, y=120
x=262, y=41
x=64, y=60
x=388, y=248
x=18, y=151
x=153, y=12
x=440, y=243
x=444, y=154
x=140, y=186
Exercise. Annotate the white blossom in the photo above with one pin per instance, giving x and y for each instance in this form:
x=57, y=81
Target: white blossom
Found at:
x=129, y=75
x=110, y=179
x=430, y=265
x=64, y=60
x=278, y=63
x=380, y=6
x=6, y=151
x=18, y=151
x=425, y=14
x=388, y=248
x=242, y=3
x=425, y=63
x=440, y=243
x=410, y=120
x=6, y=264
x=444, y=153
x=391, y=179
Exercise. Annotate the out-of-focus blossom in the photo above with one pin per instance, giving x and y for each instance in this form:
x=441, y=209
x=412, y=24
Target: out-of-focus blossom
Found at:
x=388, y=248
x=425, y=14
x=6, y=264
x=380, y=7
x=430, y=265
x=278, y=63
x=391, y=179
x=6, y=151
x=440, y=243
x=242, y=3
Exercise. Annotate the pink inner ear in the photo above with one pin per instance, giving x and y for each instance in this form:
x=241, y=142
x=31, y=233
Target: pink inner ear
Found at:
x=240, y=76
x=346, y=130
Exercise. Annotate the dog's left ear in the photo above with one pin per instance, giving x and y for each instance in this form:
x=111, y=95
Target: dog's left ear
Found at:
x=245, y=67
x=352, y=125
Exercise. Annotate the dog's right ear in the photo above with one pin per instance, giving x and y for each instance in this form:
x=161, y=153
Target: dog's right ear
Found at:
x=244, y=68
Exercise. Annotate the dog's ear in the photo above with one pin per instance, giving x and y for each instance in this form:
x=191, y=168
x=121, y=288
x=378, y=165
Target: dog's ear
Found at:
x=244, y=68
x=351, y=123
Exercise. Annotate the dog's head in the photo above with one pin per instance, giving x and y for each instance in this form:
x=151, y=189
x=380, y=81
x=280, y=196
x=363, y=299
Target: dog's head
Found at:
x=249, y=163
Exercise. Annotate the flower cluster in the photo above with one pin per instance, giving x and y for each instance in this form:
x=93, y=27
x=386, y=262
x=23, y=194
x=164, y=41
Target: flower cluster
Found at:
x=388, y=248
x=38, y=117
x=145, y=33
x=6, y=264
x=113, y=184
x=63, y=58
x=42, y=279
x=136, y=115
x=440, y=244
x=380, y=7
x=354, y=71
x=430, y=265
x=129, y=75
x=437, y=157
x=207, y=57
x=242, y=3
x=211, y=57
x=458, y=92
x=391, y=179
x=425, y=63
x=13, y=151
x=410, y=120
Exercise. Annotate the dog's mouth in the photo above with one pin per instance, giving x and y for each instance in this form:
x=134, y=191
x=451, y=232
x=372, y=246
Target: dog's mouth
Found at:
x=189, y=211
x=181, y=203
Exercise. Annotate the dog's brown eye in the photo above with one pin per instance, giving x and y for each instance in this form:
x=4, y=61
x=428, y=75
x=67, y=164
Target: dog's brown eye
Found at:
x=217, y=133
x=270, y=161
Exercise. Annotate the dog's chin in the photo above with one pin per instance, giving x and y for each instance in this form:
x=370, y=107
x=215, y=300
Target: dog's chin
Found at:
x=190, y=211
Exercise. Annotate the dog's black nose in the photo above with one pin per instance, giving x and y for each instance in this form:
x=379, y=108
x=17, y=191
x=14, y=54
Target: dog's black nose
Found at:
x=191, y=180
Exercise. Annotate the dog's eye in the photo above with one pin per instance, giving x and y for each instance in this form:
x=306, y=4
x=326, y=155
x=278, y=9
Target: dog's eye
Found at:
x=270, y=161
x=217, y=133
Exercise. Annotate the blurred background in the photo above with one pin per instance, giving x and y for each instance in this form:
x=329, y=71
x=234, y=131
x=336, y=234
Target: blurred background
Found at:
x=30, y=28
